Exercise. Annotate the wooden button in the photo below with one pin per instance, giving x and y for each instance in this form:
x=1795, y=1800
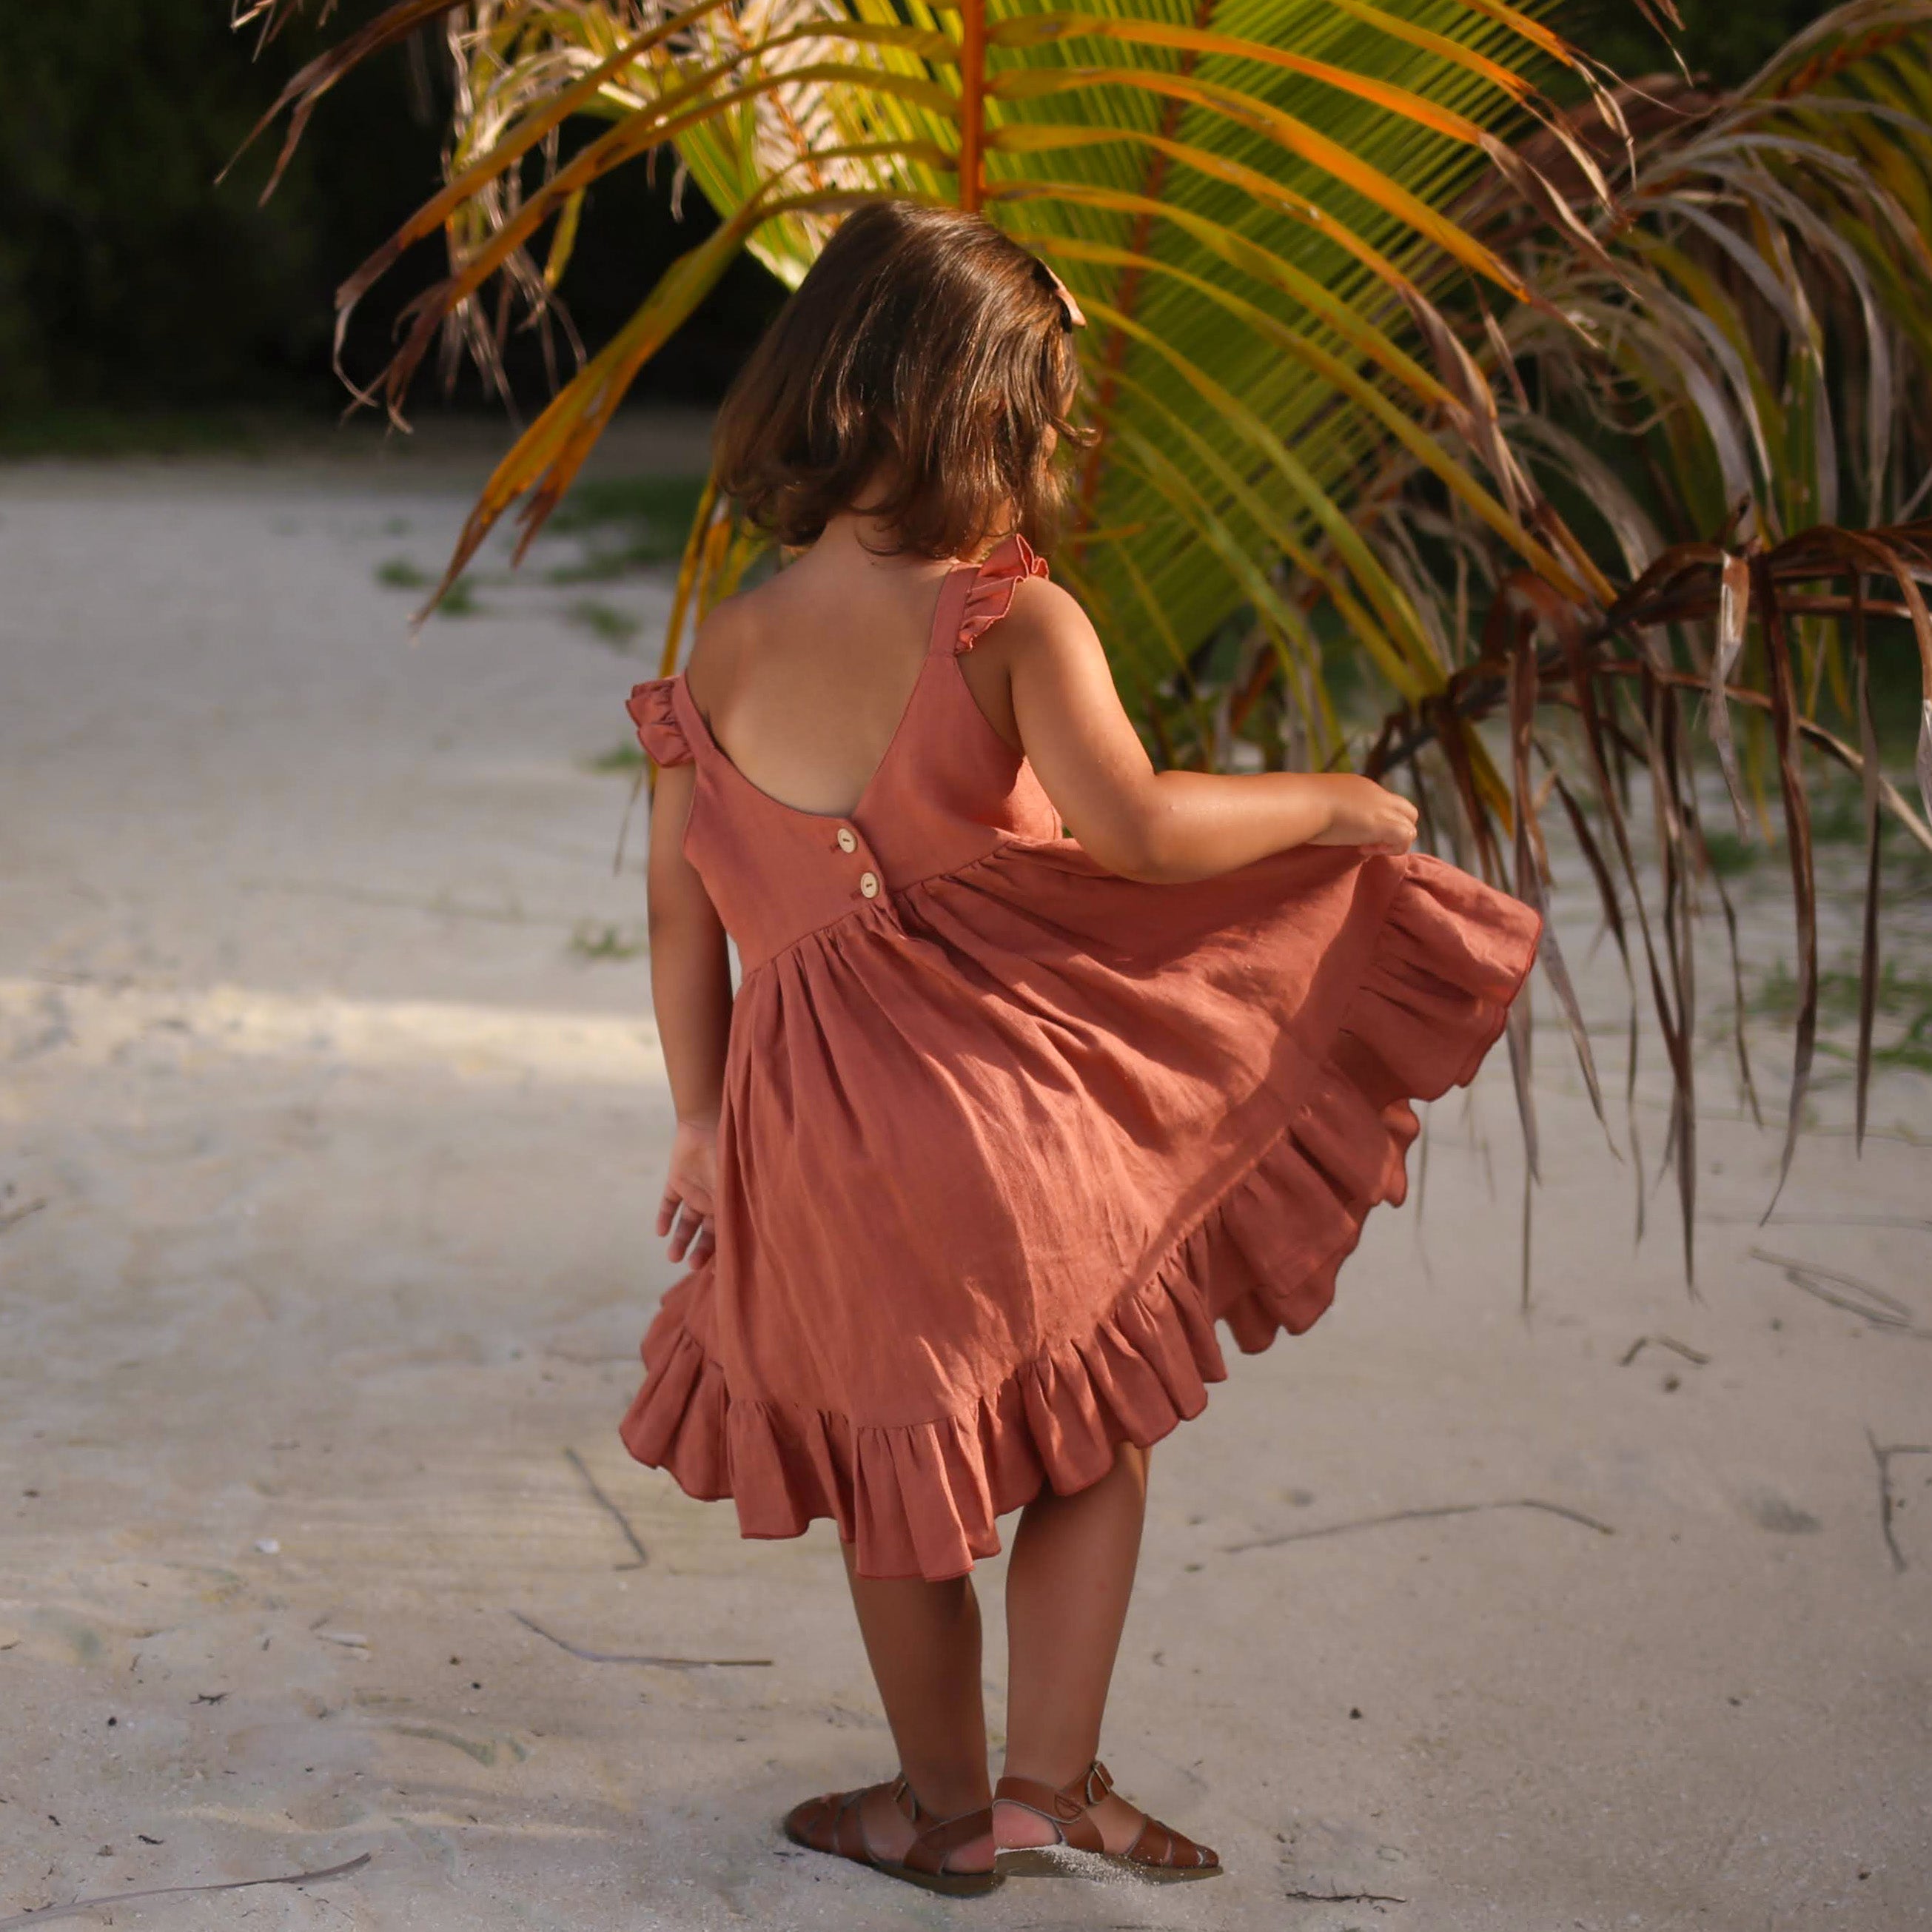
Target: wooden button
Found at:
x=846, y=843
x=869, y=884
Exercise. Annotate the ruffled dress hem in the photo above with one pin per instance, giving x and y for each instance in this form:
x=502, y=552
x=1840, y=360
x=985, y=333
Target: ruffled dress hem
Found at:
x=922, y=1498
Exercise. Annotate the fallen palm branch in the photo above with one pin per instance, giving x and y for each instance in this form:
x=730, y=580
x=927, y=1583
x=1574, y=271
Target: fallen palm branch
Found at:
x=1438, y=1512
x=107, y=1900
x=652, y=1661
x=1889, y=1501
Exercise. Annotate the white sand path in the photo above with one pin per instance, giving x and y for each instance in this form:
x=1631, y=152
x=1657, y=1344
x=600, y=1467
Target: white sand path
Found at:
x=327, y=1154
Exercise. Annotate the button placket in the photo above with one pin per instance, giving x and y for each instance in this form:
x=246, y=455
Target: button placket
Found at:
x=847, y=839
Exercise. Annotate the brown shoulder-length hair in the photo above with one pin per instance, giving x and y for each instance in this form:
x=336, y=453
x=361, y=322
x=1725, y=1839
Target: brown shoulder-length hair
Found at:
x=925, y=353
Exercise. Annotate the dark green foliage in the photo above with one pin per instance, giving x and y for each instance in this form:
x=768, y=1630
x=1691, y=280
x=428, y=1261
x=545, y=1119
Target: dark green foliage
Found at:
x=128, y=281
x=1725, y=42
x=131, y=286
x=30, y=425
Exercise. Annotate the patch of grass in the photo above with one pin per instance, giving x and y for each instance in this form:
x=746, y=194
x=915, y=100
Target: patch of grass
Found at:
x=604, y=622
x=624, y=758
x=1838, y=819
x=1896, y=993
x=669, y=500
x=1898, y=997
x=627, y=523
x=605, y=566
x=1838, y=814
x=591, y=941
x=1895, y=693
x=1912, y=1051
x=1731, y=855
x=398, y=573
x=600, y=563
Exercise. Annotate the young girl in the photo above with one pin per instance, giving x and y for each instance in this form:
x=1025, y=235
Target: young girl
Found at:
x=999, y=1121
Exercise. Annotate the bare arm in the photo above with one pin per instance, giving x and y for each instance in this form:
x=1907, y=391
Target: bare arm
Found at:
x=690, y=992
x=1164, y=826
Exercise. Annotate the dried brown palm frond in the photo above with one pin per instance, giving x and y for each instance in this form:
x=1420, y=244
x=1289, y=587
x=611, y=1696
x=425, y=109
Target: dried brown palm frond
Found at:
x=1741, y=350
x=1613, y=678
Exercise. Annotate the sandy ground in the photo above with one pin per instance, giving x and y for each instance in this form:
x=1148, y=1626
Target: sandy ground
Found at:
x=332, y=1120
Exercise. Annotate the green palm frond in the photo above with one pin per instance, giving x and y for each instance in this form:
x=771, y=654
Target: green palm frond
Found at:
x=1546, y=419
x=1250, y=197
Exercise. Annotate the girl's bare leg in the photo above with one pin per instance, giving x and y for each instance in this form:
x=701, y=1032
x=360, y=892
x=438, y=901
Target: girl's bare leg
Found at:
x=922, y=1640
x=1068, y=1582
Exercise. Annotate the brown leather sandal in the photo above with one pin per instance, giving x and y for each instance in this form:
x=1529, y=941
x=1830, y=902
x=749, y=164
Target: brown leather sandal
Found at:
x=1159, y=1852
x=835, y=1824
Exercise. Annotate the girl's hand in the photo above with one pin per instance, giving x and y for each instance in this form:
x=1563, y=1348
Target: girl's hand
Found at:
x=1369, y=815
x=690, y=1202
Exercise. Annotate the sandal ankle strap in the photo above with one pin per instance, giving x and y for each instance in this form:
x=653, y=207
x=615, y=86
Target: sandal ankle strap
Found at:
x=929, y=1852
x=1067, y=1809
x=1156, y=1847
x=1080, y=1794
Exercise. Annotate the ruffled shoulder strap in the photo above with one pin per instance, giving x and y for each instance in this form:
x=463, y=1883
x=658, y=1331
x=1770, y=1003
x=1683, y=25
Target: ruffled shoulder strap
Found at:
x=990, y=595
x=653, y=709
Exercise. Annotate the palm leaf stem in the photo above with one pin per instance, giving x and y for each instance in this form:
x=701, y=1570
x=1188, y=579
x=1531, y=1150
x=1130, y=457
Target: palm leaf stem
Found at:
x=972, y=104
x=1127, y=291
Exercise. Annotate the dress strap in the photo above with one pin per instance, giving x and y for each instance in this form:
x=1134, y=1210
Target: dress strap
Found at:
x=653, y=709
x=990, y=588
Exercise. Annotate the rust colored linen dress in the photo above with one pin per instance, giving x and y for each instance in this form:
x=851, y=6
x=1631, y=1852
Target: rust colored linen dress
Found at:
x=1005, y=1134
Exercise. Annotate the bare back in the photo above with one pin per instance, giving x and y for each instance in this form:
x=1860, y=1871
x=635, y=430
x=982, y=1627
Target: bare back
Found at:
x=804, y=680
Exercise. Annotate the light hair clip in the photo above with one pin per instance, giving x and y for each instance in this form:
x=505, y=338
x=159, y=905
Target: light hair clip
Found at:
x=1070, y=316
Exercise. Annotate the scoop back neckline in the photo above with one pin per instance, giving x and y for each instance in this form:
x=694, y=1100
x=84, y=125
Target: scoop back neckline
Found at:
x=872, y=784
